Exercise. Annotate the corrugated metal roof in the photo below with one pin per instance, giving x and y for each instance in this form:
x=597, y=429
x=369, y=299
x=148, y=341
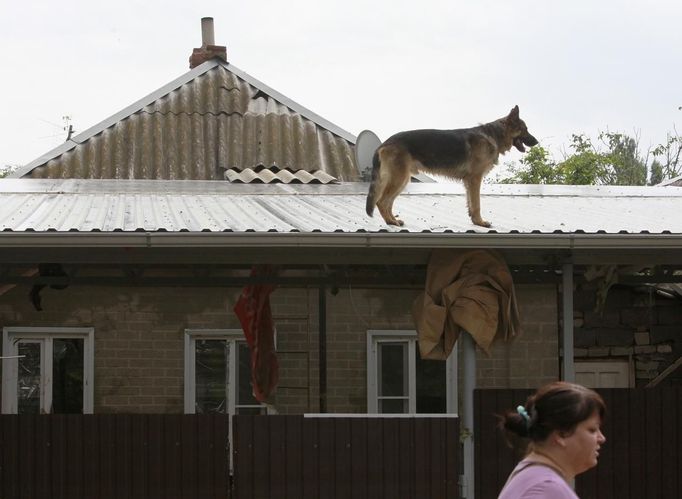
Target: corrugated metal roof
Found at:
x=213, y=118
x=194, y=206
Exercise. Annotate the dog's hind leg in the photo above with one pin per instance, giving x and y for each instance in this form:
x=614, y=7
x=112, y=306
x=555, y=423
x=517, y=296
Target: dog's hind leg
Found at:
x=395, y=172
x=473, y=190
x=385, y=203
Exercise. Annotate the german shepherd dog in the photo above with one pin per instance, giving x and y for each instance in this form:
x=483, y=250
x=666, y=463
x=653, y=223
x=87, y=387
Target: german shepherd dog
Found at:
x=467, y=154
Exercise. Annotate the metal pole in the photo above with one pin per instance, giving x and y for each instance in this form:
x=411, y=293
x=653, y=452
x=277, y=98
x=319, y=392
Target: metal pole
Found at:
x=322, y=312
x=469, y=384
x=567, y=367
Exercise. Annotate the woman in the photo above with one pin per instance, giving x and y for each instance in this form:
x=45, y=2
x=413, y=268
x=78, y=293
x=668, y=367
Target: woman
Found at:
x=563, y=423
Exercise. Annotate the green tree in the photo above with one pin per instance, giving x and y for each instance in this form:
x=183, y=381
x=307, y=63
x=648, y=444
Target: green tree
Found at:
x=625, y=166
x=615, y=160
x=585, y=166
x=537, y=167
x=667, y=161
x=657, y=175
x=6, y=170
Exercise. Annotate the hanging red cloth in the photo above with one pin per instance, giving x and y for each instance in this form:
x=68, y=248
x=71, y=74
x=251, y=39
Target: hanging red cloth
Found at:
x=253, y=310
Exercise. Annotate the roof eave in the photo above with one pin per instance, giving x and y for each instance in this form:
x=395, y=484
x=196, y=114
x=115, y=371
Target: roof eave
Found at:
x=294, y=248
x=162, y=239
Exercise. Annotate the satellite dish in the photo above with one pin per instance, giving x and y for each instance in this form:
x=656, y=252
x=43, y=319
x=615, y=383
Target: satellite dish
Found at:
x=365, y=145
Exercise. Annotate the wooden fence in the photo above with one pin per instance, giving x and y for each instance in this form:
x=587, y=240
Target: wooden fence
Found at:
x=299, y=457
x=641, y=458
x=114, y=456
x=150, y=456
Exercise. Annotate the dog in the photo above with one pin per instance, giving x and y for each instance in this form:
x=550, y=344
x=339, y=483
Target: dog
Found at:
x=466, y=154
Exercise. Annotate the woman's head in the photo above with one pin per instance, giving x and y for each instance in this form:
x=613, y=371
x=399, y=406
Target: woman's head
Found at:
x=558, y=406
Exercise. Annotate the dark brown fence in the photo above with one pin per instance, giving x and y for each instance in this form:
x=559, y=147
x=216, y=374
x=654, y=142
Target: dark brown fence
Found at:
x=153, y=456
x=114, y=456
x=289, y=457
x=642, y=457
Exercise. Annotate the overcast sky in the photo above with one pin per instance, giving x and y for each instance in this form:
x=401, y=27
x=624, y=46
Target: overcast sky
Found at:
x=384, y=65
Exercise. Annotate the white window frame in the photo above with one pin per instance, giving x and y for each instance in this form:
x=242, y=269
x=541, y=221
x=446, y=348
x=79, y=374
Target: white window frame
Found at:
x=233, y=337
x=376, y=336
x=45, y=337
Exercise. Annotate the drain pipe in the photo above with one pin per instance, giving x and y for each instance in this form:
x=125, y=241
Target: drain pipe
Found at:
x=468, y=386
x=567, y=365
x=322, y=317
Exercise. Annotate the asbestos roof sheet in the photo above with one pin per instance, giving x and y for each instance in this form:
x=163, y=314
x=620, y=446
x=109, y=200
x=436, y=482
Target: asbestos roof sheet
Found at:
x=273, y=175
x=676, y=182
x=212, y=119
x=115, y=206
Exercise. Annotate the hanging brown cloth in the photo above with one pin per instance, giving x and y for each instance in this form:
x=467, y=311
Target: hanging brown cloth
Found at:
x=470, y=290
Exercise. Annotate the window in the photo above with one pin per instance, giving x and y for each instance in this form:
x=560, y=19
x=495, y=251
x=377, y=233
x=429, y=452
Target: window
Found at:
x=50, y=370
x=400, y=382
x=218, y=373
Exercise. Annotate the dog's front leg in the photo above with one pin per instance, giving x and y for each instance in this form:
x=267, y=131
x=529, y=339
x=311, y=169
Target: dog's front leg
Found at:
x=473, y=190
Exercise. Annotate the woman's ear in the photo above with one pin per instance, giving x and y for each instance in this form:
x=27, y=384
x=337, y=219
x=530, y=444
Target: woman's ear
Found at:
x=559, y=438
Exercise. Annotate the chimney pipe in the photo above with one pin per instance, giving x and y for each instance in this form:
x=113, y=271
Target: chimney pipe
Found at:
x=207, y=34
x=208, y=49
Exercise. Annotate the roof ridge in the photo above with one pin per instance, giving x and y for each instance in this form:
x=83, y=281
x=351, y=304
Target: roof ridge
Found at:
x=283, y=99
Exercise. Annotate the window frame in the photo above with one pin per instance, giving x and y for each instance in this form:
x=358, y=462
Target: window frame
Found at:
x=376, y=336
x=45, y=336
x=234, y=337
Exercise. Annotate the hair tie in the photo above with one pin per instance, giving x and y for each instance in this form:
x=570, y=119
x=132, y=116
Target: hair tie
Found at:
x=522, y=411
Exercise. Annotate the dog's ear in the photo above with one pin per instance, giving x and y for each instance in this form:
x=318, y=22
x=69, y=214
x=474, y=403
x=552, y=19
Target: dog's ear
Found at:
x=514, y=114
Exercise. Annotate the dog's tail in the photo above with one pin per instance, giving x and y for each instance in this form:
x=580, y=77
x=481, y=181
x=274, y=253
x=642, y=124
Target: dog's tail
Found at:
x=371, y=195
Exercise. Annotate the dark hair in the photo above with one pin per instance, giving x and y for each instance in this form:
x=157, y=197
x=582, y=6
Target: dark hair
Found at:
x=559, y=406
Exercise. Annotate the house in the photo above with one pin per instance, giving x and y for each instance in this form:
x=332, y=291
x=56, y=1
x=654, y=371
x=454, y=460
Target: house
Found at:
x=676, y=181
x=124, y=251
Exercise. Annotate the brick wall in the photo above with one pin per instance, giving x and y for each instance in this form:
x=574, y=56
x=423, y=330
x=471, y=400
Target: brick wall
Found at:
x=527, y=361
x=139, y=358
x=139, y=340
x=636, y=324
x=531, y=359
x=350, y=314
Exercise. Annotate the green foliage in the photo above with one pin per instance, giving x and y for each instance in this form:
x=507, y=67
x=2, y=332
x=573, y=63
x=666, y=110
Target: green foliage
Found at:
x=6, y=170
x=615, y=160
x=626, y=166
x=586, y=166
x=657, y=174
x=537, y=167
x=667, y=161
